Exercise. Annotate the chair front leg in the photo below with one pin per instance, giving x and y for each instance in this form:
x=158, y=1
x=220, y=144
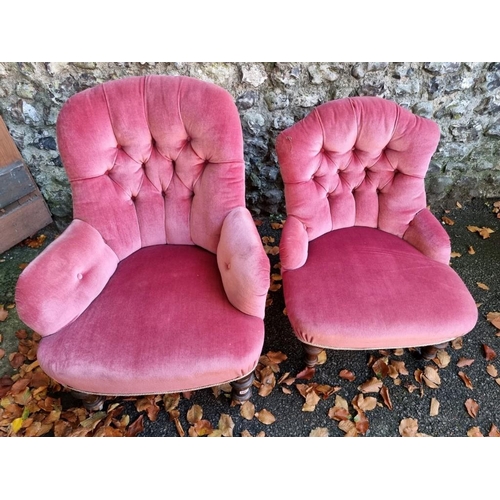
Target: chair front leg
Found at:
x=311, y=355
x=91, y=402
x=242, y=389
x=429, y=352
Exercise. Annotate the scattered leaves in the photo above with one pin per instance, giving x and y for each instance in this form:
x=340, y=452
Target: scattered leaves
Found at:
x=447, y=221
x=247, y=410
x=408, y=427
x=455, y=255
x=277, y=225
x=226, y=425
x=364, y=404
x=471, y=250
x=372, y=385
x=462, y=362
x=442, y=358
x=472, y=407
x=465, y=379
x=35, y=242
x=482, y=286
x=474, y=432
x=489, y=353
x=266, y=417
x=483, y=231
x=431, y=377
x=457, y=343
x=492, y=371
x=194, y=414
x=319, y=432
x=347, y=375
x=494, y=432
x=384, y=392
x=494, y=318
x=307, y=373
x=3, y=314
x=434, y=407
x=380, y=368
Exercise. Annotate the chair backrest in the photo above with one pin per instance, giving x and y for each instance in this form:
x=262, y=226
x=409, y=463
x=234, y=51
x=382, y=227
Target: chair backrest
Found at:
x=153, y=160
x=357, y=161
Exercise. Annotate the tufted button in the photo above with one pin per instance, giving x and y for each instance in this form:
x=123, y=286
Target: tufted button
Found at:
x=119, y=146
x=188, y=139
x=133, y=198
x=164, y=194
x=143, y=165
x=79, y=276
x=377, y=191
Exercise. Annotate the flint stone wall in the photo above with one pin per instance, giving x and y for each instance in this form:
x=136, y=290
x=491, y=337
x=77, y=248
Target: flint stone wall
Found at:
x=463, y=98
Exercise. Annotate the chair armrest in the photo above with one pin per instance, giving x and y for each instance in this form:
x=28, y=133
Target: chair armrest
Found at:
x=243, y=263
x=59, y=284
x=294, y=244
x=426, y=234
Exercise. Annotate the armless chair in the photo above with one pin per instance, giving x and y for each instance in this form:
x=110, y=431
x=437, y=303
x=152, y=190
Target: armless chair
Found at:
x=159, y=283
x=365, y=264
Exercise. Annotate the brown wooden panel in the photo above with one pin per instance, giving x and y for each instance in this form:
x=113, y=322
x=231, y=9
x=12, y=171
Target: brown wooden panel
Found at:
x=18, y=222
x=8, y=150
x=15, y=182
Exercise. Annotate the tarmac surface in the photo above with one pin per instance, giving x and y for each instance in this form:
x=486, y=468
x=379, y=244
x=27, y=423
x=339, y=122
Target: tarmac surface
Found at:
x=410, y=397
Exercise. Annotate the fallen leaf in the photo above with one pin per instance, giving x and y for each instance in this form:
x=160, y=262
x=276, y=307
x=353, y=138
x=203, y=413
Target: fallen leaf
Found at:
x=494, y=432
x=474, y=432
x=459, y=205
x=380, y=368
x=489, y=353
x=322, y=357
x=384, y=392
x=286, y=390
x=447, y=221
x=482, y=286
x=442, y=358
x=464, y=362
x=485, y=232
x=3, y=314
x=2, y=353
x=338, y=414
x=434, y=407
x=247, y=410
x=267, y=381
x=364, y=404
x=471, y=250
x=194, y=414
x=347, y=375
x=178, y=427
x=201, y=428
x=472, y=407
x=361, y=422
x=267, y=239
x=276, y=277
x=399, y=351
x=16, y=359
x=171, y=401
x=492, y=371
x=36, y=242
x=465, y=379
x=312, y=399
x=372, y=385
x=457, y=343
x=408, y=427
x=266, y=417
x=455, y=255
x=275, y=287
x=348, y=427
x=431, y=377
x=276, y=357
x=307, y=373
x=494, y=318
x=258, y=222
x=319, y=432
x=400, y=367
x=276, y=225
x=226, y=425
x=148, y=404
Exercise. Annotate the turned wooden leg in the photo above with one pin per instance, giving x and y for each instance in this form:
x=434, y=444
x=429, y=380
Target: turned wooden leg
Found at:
x=242, y=389
x=429, y=352
x=91, y=402
x=311, y=355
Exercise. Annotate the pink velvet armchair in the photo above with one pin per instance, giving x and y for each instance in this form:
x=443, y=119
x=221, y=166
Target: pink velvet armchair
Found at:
x=159, y=283
x=365, y=264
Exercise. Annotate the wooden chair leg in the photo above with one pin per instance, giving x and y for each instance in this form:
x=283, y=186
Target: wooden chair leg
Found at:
x=91, y=402
x=242, y=389
x=429, y=352
x=311, y=355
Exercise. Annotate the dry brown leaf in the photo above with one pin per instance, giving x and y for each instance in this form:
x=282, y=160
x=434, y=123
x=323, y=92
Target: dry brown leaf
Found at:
x=380, y=368
x=494, y=432
x=268, y=239
x=485, y=232
x=3, y=314
x=494, y=318
x=319, y=432
x=312, y=399
x=482, y=286
x=2, y=353
x=201, y=428
x=474, y=432
x=489, y=353
x=400, y=367
x=458, y=204
x=171, y=401
x=347, y=375
x=434, y=407
x=338, y=414
x=457, y=343
x=384, y=392
x=286, y=390
x=148, y=404
x=267, y=380
x=372, y=385
x=408, y=427
x=361, y=423
x=194, y=414
x=492, y=371
x=399, y=351
x=348, y=427
x=471, y=250
x=276, y=277
x=266, y=417
x=447, y=221
x=226, y=425
x=464, y=362
x=16, y=359
x=465, y=379
x=276, y=225
x=442, y=358
x=455, y=255
x=178, y=427
x=431, y=377
x=322, y=357
x=258, y=222
x=364, y=404
x=276, y=356
x=247, y=410
x=307, y=373
x=472, y=407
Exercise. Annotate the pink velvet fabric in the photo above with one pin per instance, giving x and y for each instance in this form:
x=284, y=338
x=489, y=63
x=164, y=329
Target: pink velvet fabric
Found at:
x=362, y=288
x=358, y=161
x=162, y=324
x=158, y=179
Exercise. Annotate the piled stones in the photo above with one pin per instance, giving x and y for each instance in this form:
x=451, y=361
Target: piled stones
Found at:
x=463, y=98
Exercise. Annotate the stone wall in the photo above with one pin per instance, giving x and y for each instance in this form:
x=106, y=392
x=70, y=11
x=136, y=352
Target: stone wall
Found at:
x=463, y=98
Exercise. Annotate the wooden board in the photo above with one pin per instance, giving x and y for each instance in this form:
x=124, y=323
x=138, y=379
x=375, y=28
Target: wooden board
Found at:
x=23, y=211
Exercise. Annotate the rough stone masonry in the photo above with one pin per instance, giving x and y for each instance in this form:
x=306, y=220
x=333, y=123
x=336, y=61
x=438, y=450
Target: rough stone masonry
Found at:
x=462, y=97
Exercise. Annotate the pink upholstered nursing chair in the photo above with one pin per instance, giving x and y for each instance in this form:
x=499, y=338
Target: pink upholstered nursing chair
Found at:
x=365, y=264
x=159, y=284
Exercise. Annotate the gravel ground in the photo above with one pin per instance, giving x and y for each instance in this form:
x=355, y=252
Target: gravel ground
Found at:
x=452, y=419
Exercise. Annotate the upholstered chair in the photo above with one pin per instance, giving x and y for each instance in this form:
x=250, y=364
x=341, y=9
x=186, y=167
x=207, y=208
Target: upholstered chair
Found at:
x=159, y=284
x=365, y=264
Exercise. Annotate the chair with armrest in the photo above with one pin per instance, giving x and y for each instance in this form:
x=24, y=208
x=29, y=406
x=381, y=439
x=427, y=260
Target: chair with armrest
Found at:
x=159, y=284
x=365, y=264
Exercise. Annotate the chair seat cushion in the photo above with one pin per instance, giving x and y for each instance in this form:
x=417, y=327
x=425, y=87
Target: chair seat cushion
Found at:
x=162, y=324
x=363, y=288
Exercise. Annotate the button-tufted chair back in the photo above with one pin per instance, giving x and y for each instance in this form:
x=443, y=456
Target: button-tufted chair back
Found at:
x=357, y=161
x=150, y=161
